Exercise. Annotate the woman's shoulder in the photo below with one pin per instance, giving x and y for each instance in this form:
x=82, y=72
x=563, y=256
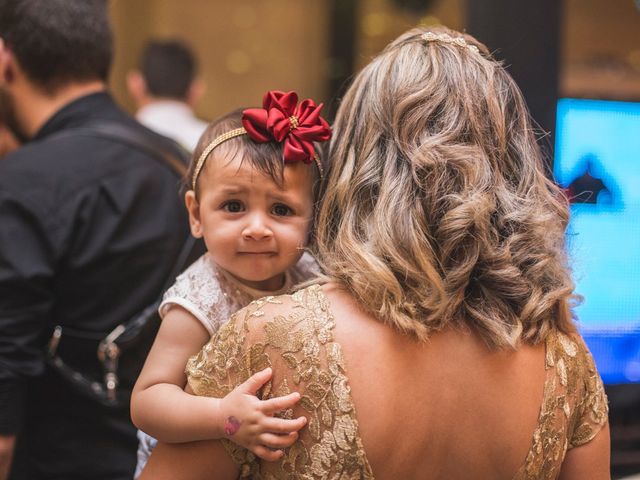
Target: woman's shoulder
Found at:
x=273, y=318
x=308, y=297
x=579, y=383
x=293, y=335
x=569, y=353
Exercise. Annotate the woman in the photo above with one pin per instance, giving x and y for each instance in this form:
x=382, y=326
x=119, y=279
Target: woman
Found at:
x=442, y=344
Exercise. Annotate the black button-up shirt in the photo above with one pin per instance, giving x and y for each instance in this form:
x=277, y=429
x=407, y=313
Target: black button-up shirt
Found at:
x=89, y=231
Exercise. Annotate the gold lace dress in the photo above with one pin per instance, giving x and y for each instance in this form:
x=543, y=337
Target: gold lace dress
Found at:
x=300, y=348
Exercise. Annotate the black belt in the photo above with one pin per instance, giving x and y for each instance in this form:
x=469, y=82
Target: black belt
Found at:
x=134, y=337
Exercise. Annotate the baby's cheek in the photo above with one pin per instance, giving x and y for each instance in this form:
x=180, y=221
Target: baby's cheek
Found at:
x=301, y=232
x=224, y=231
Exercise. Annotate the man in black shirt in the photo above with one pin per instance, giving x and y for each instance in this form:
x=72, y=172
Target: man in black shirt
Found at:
x=89, y=230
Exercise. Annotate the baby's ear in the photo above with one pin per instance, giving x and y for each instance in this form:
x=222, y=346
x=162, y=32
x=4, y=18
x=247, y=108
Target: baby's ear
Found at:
x=193, y=207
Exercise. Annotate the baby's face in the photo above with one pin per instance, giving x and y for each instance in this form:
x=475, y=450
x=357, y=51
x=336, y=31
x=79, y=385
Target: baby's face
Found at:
x=253, y=229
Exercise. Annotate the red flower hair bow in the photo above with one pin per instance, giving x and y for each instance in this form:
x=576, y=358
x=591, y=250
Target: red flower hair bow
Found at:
x=282, y=119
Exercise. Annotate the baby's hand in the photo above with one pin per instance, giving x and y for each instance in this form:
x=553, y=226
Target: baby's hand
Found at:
x=250, y=423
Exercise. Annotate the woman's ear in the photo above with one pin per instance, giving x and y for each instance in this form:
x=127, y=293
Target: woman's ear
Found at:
x=193, y=207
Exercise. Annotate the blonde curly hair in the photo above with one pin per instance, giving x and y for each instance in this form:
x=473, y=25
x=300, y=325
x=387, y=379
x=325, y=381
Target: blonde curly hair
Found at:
x=436, y=208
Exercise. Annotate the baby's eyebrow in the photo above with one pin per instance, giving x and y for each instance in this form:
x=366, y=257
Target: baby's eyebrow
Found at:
x=285, y=197
x=232, y=190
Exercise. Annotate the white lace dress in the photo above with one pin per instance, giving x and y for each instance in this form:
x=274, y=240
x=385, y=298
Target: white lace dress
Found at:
x=212, y=295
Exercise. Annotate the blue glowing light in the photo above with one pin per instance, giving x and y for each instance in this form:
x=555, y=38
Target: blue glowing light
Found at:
x=597, y=159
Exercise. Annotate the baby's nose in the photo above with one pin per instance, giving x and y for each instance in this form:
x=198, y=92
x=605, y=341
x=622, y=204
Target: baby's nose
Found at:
x=257, y=228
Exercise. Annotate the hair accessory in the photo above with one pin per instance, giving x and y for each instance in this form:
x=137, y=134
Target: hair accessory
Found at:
x=281, y=120
x=446, y=38
x=205, y=153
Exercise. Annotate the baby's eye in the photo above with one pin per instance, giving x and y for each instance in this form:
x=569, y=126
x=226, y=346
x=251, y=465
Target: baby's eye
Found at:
x=233, y=206
x=281, y=210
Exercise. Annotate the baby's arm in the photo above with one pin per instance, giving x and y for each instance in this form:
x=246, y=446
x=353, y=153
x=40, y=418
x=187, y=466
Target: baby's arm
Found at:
x=161, y=408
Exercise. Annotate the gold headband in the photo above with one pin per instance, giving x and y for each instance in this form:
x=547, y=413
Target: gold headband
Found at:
x=446, y=38
x=223, y=138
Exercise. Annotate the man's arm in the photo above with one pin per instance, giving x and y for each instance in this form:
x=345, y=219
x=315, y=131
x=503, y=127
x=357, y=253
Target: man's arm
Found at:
x=6, y=455
x=26, y=300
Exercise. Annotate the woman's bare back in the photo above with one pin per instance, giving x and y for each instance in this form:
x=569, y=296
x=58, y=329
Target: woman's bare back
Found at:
x=440, y=409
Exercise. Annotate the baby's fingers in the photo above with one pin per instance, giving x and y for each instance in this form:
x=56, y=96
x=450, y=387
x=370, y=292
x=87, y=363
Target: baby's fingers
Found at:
x=270, y=440
x=275, y=405
x=255, y=382
x=283, y=426
x=266, y=454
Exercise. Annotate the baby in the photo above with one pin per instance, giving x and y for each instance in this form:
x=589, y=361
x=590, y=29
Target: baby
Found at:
x=252, y=196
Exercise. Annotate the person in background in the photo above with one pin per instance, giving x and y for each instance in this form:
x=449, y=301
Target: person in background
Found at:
x=442, y=345
x=165, y=89
x=8, y=140
x=90, y=229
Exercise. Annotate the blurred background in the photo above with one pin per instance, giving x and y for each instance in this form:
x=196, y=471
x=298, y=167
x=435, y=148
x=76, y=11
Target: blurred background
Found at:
x=247, y=46
x=577, y=62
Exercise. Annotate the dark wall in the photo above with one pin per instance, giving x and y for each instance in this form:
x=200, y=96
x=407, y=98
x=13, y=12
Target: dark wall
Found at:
x=525, y=35
x=342, y=50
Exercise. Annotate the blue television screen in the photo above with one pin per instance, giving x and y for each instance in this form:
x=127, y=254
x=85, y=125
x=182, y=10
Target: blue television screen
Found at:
x=597, y=161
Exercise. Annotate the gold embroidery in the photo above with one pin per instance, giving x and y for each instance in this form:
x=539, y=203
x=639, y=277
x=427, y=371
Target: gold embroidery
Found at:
x=573, y=411
x=300, y=345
